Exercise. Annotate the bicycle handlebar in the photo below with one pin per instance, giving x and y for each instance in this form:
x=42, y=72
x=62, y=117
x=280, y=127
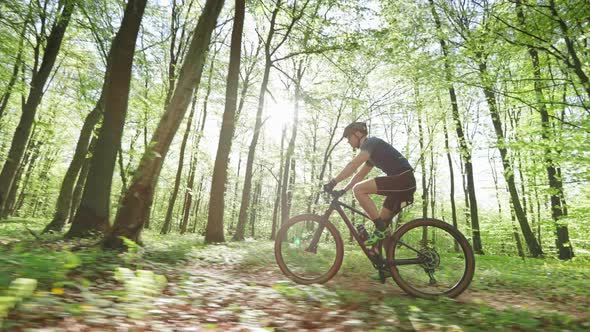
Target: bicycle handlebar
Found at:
x=335, y=193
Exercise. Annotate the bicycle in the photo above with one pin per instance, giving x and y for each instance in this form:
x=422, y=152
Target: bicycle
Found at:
x=427, y=258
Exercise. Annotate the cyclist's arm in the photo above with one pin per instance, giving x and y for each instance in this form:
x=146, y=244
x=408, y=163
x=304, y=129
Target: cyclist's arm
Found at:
x=359, y=176
x=352, y=166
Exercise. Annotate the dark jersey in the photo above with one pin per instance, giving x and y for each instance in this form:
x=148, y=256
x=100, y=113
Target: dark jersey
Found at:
x=385, y=157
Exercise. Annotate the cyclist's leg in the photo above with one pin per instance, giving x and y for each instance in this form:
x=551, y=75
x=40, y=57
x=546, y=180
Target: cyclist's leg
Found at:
x=361, y=191
x=397, y=189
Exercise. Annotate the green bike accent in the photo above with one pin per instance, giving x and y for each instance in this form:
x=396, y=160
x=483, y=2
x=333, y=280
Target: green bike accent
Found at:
x=376, y=237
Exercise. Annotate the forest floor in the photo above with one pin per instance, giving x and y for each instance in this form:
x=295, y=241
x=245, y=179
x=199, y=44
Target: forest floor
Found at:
x=238, y=287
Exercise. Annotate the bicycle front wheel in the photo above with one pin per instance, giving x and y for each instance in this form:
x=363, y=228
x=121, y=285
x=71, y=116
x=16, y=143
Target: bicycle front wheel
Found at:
x=309, y=249
x=430, y=258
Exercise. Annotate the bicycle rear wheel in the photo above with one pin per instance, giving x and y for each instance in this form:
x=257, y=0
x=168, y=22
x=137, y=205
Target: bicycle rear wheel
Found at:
x=309, y=249
x=430, y=258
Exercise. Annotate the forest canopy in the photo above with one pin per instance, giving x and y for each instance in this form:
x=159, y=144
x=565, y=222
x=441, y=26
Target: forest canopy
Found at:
x=222, y=119
x=160, y=160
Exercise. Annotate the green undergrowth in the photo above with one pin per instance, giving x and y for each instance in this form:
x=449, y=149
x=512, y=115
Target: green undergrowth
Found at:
x=543, y=278
x=53, y=261
x=61, y=268
x=450, y=315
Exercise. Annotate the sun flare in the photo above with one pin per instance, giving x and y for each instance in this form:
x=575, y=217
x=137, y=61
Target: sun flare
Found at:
x=280, y=114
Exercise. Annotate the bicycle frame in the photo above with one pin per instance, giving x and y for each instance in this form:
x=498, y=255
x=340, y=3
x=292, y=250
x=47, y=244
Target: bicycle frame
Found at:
x=337, y=206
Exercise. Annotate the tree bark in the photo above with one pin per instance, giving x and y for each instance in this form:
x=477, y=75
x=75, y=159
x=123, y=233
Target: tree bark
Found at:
x=432, y=180
x=168, y=219
x=39, y=199
x=515, y=234
x=300, y=70
x=465, y=151
x=496, y=186
x=81, y=181
x=32, y=153
x=328, y=152
x=196, y=142
x=93, y=213
x=562, y=241
x=576, y=64
x=422, y=154
x=171, y=78
x=490, y=96
x=214, y=228
x=276, y=208
x=18, y=61
x=242, y=218
x=40, y=78
x=312, y=175
x=451, y=179
x=235, y=196
x=198, y=204
x=35, y=153
x=133, y=212
x=189, y=192
x=64, y=200
x=255, y=207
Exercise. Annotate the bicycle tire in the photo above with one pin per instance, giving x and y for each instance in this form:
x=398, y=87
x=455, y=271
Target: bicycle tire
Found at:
x=404, y=280
x=283, y=244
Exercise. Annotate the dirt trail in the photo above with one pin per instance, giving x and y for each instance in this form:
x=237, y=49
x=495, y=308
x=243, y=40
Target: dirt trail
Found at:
x=216, y=290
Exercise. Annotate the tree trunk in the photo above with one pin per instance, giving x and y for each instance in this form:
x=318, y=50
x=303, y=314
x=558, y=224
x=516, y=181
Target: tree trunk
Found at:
x=496, y=186
x=242, y=218
x=575, y=64
x=432, y=180
x=168, y=219
x=276, y=208
x=313, y=163
x=291, y=184
x=422, y=155
x=35, y=150
x=300, y=70
x=39, y=199
x=81, y=182
x=490, y=96
x=198, y=204
x=18, y=61
x=122, y=174
x=563, y=243
x=515, y=234
x=465, y=196
x=255, y=207
x=23, y=130
x=133, y=212
x=214, y=229
x=200, y=133
x=31, y=149
x=451, y=179
x=189, y=192
x=463, y=144
x=64, y=200
x=235, y=197
x=328, y=152
x=93, y=213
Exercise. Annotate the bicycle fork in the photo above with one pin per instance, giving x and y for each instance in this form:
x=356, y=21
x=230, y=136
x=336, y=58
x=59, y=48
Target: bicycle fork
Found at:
x=313, y=245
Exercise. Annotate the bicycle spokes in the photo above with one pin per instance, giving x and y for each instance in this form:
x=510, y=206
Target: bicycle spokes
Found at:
x=308, y=249
x=427, y=260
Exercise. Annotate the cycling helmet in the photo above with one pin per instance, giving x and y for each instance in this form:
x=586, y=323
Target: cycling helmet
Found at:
x=354, y=127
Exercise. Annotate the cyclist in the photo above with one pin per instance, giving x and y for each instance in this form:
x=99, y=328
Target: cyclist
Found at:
x=398, y=185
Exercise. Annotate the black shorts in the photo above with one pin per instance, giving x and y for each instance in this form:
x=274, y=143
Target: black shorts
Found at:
x=398, y=188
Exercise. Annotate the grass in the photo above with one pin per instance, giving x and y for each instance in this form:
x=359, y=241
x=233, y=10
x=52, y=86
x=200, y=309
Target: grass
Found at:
x=53, y=261
x=75, y=265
